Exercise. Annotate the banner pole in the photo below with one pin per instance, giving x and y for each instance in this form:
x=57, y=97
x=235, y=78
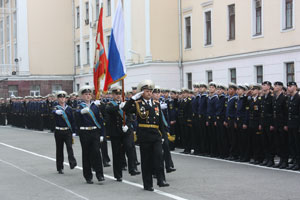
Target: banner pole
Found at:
x=123, y=100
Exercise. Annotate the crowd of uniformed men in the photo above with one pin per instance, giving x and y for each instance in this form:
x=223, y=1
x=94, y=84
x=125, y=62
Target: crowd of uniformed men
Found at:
x=236, y=122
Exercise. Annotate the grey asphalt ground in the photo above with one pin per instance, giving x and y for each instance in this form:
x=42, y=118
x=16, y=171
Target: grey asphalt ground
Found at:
x=27, y=171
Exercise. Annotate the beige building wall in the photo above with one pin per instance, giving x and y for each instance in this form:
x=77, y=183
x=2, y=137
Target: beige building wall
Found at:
x=273, y=37
x=50, y=40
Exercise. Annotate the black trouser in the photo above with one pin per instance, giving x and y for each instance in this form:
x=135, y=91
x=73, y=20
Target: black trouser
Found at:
x=167, y=154
x=283, y=143
x=2, y=119
x=296, y=137
x=212, y=139
x=61, y=137
x=187, y=138
x=222, y=139
x=244, y=142
x=233, y=139
x=151, y=158
x=91, y=157
x=257, y=144
x=269, y=142
x=202, y=134
x=196, y=135
x=179, y=133
x=104, y=151
x=292, y=142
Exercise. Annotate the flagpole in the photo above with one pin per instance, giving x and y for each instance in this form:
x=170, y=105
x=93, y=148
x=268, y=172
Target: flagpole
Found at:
x=123, y=99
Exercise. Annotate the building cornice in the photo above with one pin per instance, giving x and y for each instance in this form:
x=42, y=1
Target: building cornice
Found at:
x=245, y=55
x=207, y=3
x=39, y=78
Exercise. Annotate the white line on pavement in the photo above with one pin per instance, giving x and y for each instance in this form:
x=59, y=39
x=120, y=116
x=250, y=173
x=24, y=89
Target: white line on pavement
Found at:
x=107, y=176
x=238, y=163
x=42, y=179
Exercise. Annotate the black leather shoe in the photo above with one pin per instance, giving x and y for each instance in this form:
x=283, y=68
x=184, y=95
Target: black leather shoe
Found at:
x=101, y=178
x=265, y=162
x=283, y=165
x=270, y=163
x=149, y=189
x=106, y=164
x=296, y=167
x=291, y=167
x=89, y=182
x=72, y=166
x=119, y=179
x=134, y=172
x=171, y=170
x=137, y=163
x=60, y=171
x=163, y=184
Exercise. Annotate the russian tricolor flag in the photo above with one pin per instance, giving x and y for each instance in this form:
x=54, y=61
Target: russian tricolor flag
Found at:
x=116, y=70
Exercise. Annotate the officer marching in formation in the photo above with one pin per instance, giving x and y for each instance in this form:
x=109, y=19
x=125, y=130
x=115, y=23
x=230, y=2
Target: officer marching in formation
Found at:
x=150, y=133
x=121, y=135
x=91, y=133
x=64, y=127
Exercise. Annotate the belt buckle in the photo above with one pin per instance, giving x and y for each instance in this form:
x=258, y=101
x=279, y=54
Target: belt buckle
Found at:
x=238, y=118
x=218, y=117
x=209, y=117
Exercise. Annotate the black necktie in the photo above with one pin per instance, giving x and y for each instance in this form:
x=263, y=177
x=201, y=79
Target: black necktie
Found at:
x=148, y=103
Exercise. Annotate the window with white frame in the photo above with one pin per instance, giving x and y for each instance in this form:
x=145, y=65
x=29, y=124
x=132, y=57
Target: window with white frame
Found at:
x=231, y=21
x=207, y=28
x=97, y=9
x=287, y=14
x=7, y=29
x=77, y=87
x=209, y=76
x=188, y=32
x=290, y=72
x=56, y=88
x=259, y=74
x=1, y=32
x=2, y=58
x=15, y=50
x=86, y=13
x=108, y=8
x=77, y=17
x=87, y=83
x=78, y=55
x=87, y=45
x=15, y=25
x=35, y=90
x=189, y=81
x=8, y=55
x=257, y=17
x=1, y=3
x=13, y=90
x=232, y=75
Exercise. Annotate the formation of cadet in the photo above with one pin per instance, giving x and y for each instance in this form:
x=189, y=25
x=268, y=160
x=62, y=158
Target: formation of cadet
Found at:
x=239, y=123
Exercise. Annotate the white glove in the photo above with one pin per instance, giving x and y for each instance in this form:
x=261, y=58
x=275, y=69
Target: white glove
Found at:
x=73, y=134
x=137, y=96
x=125, y=128
x=162, y=140
x=59, y=112
x=85, y=110
x=101, y=138
x=121, y=105
x=163, y=106
x=97, y=102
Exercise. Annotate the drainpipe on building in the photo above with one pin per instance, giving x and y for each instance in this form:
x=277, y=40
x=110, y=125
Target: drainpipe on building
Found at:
x=74, y=54
x=180, y=44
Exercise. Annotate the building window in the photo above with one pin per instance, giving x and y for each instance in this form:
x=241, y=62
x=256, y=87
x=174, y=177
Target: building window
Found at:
x=7, y=28
x=1, y=3
x=56, y=88
x=108, y=41
x=1, y=32
x=231, y=17
x=77, y=17
x=188, y=33
x=232, y=75
x=208, y=28
x=35, y=90
x=258, y=18
x=87, y=44
x=86, y=13
x=2, y=58
x=108, y=8
x=8, y=56
x=78, y=54
x=15, y=50
x=259, y=74
x=15, y=25
x=77, y=87
x=13, y=90
x=87, y=83
x=189, y=81
x=288, y=14
x=97, y=9
x=290, y=72
x=209, y=75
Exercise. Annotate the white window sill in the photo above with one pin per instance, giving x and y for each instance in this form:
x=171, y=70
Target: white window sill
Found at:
x=287, y=30
x=257, y=36
x=208, y=46
x=187, y=49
